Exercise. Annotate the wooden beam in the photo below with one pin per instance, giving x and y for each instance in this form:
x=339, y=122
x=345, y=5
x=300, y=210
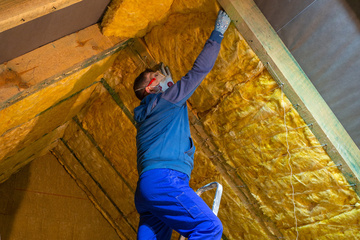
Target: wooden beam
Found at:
x=22, y=136
x=84, y=56
x=100, y=180
x=16, y=12
x=265, y=42
x=57, y=80
x=22, y=76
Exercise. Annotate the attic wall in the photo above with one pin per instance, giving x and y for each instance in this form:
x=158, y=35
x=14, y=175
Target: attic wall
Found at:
x=43, y=202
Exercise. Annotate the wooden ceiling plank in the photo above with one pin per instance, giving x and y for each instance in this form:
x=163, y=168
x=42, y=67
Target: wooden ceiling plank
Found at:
x=265, y=42
x=16, y=12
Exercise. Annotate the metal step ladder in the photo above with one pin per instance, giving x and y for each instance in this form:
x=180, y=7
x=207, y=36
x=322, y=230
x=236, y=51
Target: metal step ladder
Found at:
x=217, y=198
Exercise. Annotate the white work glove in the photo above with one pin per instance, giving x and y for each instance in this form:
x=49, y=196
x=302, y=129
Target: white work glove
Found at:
x=168, y=82
x=222, y=22
x=166, y=72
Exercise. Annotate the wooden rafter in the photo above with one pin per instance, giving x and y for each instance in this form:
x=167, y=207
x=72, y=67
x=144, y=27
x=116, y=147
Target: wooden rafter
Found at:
x=45, y=88
x=265, y=42
x=52, y=62
x=16, y=12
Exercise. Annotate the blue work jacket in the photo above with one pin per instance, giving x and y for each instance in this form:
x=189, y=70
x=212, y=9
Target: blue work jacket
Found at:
x=163, y=137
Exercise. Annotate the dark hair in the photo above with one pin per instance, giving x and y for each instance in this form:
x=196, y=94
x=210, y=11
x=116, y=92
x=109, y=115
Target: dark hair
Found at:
x=139, y=84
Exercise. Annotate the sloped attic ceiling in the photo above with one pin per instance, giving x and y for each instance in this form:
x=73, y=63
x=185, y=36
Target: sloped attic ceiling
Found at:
x=324, y=37
x=279, y=180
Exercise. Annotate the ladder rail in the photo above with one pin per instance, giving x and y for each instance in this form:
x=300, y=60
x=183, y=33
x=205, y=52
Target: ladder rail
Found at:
x=217, y=198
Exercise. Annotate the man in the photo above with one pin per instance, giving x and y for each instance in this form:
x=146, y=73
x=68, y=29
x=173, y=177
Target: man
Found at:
x=165, y=154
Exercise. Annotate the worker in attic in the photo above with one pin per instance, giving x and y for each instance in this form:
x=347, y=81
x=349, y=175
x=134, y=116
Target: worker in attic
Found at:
x=70, y=120
x=165, y=155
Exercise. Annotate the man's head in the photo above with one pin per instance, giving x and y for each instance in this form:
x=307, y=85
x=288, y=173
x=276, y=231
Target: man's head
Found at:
x=147, y=82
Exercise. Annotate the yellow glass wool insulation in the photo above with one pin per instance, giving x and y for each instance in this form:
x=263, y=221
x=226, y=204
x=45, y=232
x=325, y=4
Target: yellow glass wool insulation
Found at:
x=121, y=77
x=255, y=127
x=32, y=130
x=180, y=45
x=127, y=18
x=103, y=183
x=181, y=6
x=36, y=149
x=113, y=132
x=343, y=226
x=43, y=99
x=231, y=206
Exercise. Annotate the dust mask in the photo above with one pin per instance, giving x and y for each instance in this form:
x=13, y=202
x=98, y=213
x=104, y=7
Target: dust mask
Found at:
x=164, y=82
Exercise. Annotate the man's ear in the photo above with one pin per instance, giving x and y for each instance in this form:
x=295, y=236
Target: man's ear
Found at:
x=147, y=89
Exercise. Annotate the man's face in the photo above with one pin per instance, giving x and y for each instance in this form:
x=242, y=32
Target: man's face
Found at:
x=153, y=81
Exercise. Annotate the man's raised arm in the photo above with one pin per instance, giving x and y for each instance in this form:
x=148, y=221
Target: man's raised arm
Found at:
x=184, y=88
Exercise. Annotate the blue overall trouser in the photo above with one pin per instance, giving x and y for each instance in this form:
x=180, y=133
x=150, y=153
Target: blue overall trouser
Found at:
x=165, y=202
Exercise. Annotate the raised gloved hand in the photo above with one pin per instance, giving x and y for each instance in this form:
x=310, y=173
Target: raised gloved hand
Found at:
x=222, y=22
x=166, y=72
x=168, y=82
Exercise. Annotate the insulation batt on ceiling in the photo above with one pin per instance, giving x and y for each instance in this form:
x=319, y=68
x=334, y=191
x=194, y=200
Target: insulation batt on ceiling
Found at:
x=133, y=18
x=29, y=127
x=259, y=136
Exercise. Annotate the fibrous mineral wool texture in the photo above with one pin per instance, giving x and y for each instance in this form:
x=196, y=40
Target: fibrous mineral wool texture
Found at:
x=127, y=18
x=260, y=137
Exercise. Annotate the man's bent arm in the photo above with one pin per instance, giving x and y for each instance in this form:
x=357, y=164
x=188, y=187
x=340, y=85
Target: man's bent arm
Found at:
x=184, y=88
